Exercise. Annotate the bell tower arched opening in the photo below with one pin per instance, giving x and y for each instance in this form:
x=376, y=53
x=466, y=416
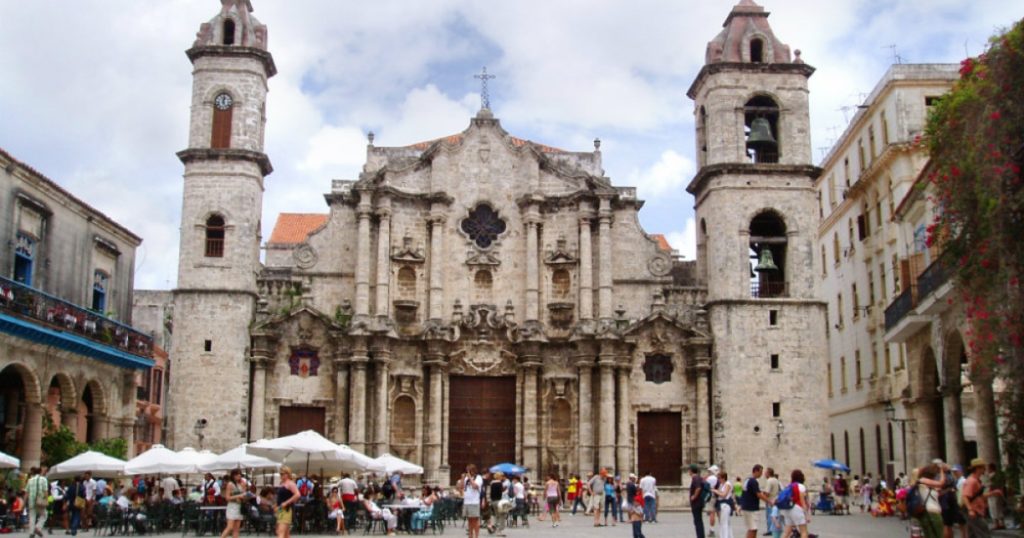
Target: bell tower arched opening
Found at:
x=761, y=125
x=768, y=255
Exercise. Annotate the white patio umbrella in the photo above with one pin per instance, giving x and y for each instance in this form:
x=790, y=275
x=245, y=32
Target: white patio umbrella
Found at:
x=237, y=458
x=158, y=459
x=394, y=464
x=97, y=462
x=9, y=462
x=309, y=450
x=195, y=459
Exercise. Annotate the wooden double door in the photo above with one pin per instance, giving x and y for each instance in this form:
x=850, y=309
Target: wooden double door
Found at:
x=659, y=446
x=481, y=422
x=299, y=419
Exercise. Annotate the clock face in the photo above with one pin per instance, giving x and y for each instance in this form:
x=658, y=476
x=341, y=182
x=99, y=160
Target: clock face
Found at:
x=222, y=101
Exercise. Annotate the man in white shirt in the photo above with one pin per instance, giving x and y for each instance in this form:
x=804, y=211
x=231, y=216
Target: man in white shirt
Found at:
x=519, y=493
x=348, y=489
x=471, y=485
x=712, y=481
x=169, y=483
x=649, y=488
x=90, y=499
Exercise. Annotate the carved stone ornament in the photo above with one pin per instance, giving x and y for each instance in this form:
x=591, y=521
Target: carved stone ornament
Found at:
x=483, y=357
x=305, y=256
x=304, y=362
x=407, y=253
x=561, y=255
x=659, y=265
x=486, y=259
x=658, y=369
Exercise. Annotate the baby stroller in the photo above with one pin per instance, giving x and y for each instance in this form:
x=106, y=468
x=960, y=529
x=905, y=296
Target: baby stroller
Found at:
x=826, y=504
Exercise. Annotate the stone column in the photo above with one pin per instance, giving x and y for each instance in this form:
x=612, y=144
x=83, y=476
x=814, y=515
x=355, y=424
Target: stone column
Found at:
x=531, y=397
x=381, y=431
x=363, y=258
x=257, y=418
x=532, y=284
x=127, y=429
x=985, y=419
x=435, y=397
x=702, y=406
x=357, y=400
x=436, y=267
x=383, y=257
x=586, y=420
x=341, y=399
x=604, y=273
x=101, y=425
x=623, y=451
x=69, y=418
x=954, y=422
x=606, y=410
x=31, y=443
x=586, y=272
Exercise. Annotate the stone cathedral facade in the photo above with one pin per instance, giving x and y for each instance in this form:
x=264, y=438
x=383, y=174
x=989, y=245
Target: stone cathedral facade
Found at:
x=483, y=298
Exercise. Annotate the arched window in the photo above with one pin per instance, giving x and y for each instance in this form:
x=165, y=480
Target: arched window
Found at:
x=561, y=422
x=756, y=51
x=24, y=258
x=702, y=135
x=768, y=250
x=403, y=421
x=407, y=283
x=561, y=284
x=482, y=284
x=229, y=32
x=99, y=290
x=220, y=137
x=761, y=121
x=846, y=447
x=215, y=237
x=863, y=454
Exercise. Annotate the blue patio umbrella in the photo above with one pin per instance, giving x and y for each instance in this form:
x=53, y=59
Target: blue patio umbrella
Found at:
x=510, y=469
x=832, y=465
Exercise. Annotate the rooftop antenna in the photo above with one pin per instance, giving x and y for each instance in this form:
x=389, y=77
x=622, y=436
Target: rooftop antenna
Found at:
x=896, y=58
x=485, y=98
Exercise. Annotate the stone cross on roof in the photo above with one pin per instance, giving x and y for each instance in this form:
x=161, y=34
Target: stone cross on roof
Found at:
x=485, y=98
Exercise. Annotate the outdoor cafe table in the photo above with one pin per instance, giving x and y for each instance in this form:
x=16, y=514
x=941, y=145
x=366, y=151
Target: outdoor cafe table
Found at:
x=404, y=513
x=211, y=517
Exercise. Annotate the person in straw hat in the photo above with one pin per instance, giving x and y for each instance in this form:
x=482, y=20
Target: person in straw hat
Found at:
x=975, y=499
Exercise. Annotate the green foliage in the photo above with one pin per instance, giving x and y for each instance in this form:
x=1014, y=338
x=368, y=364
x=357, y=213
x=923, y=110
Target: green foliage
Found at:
x=975, y=135
x=59, y=444
x=115, y=447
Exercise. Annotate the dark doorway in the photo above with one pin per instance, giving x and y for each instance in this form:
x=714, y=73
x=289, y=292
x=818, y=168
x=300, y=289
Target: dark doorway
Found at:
x=299, y=419
x=482, y=422
x=659, y=446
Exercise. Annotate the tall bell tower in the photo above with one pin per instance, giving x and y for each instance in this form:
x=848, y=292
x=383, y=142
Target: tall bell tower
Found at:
x=225, y=167
x=756, y=212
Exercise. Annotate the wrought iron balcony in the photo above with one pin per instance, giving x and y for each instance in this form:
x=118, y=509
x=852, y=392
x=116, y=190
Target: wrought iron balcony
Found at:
x=933, y=277
x=899, y=307
x=61, y=317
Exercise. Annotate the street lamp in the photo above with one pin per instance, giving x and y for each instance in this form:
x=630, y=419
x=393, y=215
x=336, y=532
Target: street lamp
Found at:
x=890, y=415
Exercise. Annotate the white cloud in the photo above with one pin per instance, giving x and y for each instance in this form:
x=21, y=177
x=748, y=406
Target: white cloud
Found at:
x=685, y=241
x=334, y=146
x=668, y=175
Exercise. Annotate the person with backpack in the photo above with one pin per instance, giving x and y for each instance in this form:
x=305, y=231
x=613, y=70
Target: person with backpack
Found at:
x=750, y=500
x=725, y=504
x=698, y=487
x=923, y=500
x=792, y=503
x=38, y=494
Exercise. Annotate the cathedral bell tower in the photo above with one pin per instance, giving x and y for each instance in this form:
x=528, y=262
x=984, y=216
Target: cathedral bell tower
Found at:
x=220, y=229
x=756, y=212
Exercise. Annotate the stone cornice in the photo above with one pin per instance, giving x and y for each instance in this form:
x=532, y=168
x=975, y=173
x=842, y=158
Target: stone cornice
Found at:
x=743, y=67
x=215, y=291
x=259, y=158
x=750, y=169
x=261, y=55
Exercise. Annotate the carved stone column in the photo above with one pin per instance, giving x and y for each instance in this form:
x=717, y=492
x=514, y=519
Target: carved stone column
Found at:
x=985, y=418
x=604, y=273
x=33, y=436
x=381, y=430
x=257, y=418
x=126, y=426
x=586, y=420
x=435, y=408
x=623, y=450
x=702, y=407
x=586, y=272
x=436, y=267
x=363, y=257
x=532, y=283
x=383, y=256
x=69, y=418
x=341, y=399
x=531, y=398
x=357, y=400
x=954, y=422
x=606, y=410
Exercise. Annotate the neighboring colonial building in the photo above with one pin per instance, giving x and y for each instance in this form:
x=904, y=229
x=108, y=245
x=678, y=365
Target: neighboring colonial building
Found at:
x=882, y=393
x=480, y=297
x=66, y=346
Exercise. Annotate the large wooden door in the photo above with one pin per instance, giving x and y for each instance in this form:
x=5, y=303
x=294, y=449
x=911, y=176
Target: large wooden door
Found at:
x=481, y=422
x=659, y=446
x=299, y=419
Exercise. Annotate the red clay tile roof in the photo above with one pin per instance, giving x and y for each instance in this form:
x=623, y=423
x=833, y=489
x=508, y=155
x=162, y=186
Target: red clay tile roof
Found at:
x=662, y=242
x=457, y=138
x=292, y=228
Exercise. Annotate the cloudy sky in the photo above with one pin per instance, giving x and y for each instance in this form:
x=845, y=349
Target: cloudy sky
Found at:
x=95, y=93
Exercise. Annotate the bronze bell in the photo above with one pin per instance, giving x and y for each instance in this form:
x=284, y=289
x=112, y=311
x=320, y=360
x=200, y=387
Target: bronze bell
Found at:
x=761, y=135
x=766, y=263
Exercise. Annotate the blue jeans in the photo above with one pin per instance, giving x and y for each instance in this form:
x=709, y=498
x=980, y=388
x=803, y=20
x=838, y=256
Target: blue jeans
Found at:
x=698, y=518
x=636, y=529
x=578, y=502
x=612, y=506
x=76, y=520
x=649, y=508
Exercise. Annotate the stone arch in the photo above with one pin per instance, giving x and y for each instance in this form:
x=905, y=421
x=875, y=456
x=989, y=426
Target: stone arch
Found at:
x=68, y=391
x=403, y=421
x=561, y=284
x=483, y=284
x=954, y=360
x=763, y=105
x=768, y=243
x=407, y=283
x=29, y=381
x=747, y=48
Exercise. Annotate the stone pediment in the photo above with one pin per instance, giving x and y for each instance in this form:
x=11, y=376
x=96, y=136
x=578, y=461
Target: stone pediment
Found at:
x=481, y=258
x=689, y=324
x=561, y=255
x=300, y=314
x=407, y=253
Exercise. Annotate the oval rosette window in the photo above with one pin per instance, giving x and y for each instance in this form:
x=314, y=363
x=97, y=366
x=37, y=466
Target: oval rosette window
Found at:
x=483, y=225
